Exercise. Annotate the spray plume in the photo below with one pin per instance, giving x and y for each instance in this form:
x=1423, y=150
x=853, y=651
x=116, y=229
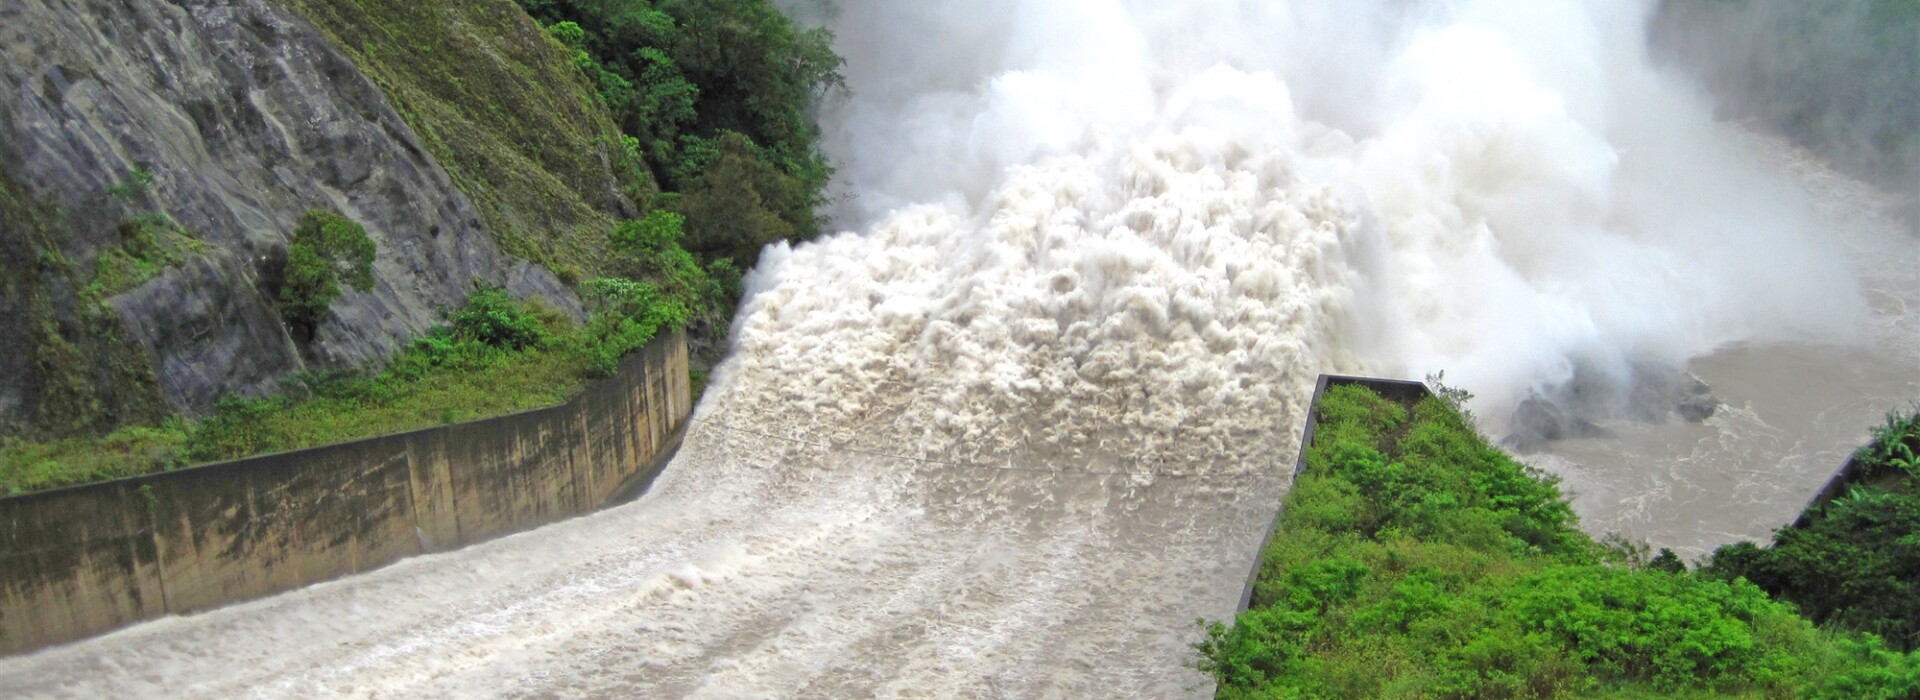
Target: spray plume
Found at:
x=1505, y=189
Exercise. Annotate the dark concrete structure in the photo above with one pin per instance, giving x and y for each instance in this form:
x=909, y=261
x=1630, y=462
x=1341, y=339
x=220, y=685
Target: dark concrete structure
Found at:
x=81, y=561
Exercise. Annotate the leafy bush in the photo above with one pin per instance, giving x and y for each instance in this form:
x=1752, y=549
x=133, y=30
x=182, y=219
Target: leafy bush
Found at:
x=1894, y=448
x=326, y=251
x=1856, y=563
x=493, y=318
x=626, y=316
x=649, y=249
x=1413, y=560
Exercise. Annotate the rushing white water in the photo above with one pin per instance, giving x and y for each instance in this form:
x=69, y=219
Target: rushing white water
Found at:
x=1024, y=423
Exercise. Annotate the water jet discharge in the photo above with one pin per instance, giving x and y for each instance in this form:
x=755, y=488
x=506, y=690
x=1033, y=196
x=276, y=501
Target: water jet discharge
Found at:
x=1026, y=419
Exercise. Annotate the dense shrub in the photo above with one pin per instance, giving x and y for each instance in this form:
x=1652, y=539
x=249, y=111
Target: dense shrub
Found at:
x=1856, y=563
x=739, y=203
x=649, y=250
x=1413, y=560
x=493, y=318
x=326, y=251
x=712, y=96
x=626, y=316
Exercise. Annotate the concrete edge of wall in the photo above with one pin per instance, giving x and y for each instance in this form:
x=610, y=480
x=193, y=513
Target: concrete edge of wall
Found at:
x=1397, y=389
x=81, y=561
x=1837, y=485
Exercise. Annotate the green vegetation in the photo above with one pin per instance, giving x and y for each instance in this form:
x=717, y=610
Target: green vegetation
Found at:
x=1856, y=562
x=712, y=98
x=83, y=376
x=326, y=250
x=1841, y=77
x=554, y=131
x=502, y=109
x=130, y=451
x=556, y=125
x=134, y=187
x=149, y=244
x=493, y=356
x=1414, y=560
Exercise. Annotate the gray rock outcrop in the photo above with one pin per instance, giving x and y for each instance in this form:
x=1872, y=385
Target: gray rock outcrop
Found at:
x=246, y=117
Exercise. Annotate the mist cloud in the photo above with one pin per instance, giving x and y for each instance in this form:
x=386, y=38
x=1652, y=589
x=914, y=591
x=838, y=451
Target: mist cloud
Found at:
x=1521, y=193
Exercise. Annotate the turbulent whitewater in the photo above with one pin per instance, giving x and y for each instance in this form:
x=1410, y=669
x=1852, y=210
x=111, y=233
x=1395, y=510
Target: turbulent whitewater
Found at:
x=1024, y=422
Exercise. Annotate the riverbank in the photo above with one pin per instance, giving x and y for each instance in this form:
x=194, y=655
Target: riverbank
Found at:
x=1413, y=559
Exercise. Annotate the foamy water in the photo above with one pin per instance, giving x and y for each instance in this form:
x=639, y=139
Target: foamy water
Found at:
x=1023, y=424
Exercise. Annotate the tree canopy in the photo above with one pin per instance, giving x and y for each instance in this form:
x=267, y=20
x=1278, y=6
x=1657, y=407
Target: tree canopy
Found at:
x=713, y=97
x=327, y=250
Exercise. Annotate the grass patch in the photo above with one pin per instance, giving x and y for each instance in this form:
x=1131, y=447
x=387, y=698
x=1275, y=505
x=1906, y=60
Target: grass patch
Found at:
x=130, y=451
x=1414, y=560
x=495, y=356
x=149, y=244
x=488, y=383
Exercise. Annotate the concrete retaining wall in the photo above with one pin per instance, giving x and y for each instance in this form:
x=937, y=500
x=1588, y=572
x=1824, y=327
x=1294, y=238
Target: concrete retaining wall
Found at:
x=80, y=561
x=1842, y=481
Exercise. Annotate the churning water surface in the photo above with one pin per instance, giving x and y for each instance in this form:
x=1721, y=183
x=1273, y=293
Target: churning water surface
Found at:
x=1025, y=423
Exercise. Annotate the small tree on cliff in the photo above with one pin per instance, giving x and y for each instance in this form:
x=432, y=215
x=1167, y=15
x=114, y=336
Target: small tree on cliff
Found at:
x=327, y=249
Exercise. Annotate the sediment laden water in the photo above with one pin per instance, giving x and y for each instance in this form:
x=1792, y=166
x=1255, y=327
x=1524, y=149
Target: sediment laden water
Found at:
x=1024, y=424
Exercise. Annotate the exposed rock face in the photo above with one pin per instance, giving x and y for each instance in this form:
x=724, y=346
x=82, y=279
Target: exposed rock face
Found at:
x=247, y=118
x=1651, y=393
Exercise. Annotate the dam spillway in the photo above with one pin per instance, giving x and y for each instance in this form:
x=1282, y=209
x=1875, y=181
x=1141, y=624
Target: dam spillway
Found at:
x=1023, y=424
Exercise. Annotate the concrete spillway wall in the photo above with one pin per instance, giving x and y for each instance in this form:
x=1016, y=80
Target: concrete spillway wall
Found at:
x=81, y=561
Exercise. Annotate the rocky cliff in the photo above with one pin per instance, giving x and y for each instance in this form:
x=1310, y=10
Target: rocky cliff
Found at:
x=155, y=155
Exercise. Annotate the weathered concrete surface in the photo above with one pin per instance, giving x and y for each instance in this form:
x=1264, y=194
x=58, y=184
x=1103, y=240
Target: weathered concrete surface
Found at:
x=81, y=561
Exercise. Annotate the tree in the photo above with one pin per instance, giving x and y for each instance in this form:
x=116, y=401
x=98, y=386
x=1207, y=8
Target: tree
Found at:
x=740, y=203
x=327, y=250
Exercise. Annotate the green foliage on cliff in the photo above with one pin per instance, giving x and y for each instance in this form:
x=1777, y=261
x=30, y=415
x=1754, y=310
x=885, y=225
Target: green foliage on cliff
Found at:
x=713, y=96
x=148, y=245
x=1414, y=560
x=501, y=106
x=326, y=251
x=494, y=355
x=492, y=318
x=1856, y=563
x=83, y=375
x=627, y=313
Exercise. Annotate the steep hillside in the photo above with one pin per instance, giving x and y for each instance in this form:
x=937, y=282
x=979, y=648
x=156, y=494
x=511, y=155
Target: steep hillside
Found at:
x=501, y=106
x=155, y=156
